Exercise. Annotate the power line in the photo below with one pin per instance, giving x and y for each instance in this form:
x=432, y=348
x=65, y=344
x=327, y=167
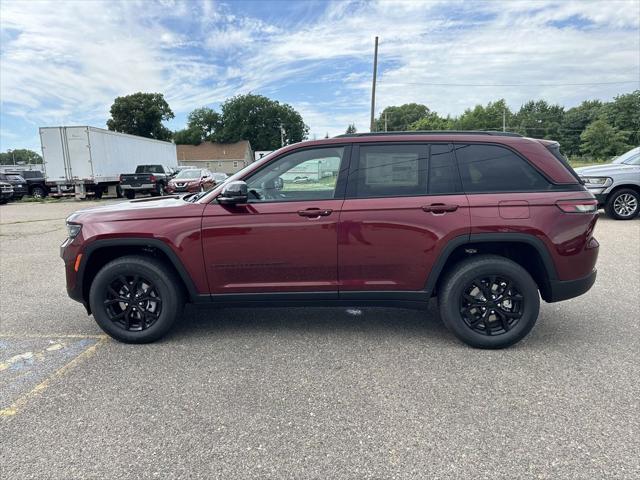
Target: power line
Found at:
x=509, y=84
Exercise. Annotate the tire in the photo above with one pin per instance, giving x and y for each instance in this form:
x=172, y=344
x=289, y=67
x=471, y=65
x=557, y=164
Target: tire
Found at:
x=97, y=194
x=118, y=191
x=117, y=279
x=130, y=194
x=461, y=303
x=623, y=204
x=160, y=190
x=3, y=201
x=38, y=192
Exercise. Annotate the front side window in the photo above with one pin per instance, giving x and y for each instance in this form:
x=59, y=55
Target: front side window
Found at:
x=491, y=168
x=389, y=171
x=304, y=175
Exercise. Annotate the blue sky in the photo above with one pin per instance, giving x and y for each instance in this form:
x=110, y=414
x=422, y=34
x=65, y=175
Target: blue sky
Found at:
x=63, y=63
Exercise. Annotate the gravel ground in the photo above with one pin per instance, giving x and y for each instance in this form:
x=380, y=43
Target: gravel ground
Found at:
x=310, y=392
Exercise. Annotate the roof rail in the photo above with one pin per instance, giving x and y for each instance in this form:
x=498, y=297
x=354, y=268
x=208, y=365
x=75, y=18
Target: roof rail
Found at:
x=432, y=132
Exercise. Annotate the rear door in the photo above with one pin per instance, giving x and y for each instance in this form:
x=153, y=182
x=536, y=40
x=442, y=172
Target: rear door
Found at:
x=404, y=202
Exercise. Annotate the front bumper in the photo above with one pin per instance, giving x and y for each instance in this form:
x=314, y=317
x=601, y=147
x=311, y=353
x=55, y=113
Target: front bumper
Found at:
x=566, y=289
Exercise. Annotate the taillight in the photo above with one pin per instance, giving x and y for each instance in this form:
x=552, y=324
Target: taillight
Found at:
x=152, y=178
x=578, y=206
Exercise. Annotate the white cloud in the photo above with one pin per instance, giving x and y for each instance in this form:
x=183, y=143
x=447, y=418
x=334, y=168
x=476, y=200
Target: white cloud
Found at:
x=64, y=62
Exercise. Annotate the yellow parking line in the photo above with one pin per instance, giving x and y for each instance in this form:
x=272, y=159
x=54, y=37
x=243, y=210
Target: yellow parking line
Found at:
x=16, y=406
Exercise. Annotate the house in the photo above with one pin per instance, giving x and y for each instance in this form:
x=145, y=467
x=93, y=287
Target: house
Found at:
x=217, y=157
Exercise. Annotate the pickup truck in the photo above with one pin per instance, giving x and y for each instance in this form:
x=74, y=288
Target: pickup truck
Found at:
x=35, y=181
x=151, y=179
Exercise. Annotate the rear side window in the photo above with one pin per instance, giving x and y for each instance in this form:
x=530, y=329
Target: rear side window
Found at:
x=491, y=168
x=390, y=171
x=443, y=172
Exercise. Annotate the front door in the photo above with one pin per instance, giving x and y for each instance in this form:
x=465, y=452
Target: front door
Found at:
x=404, y=203
x=285, y=238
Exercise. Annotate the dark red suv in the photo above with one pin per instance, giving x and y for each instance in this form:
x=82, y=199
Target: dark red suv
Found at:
x=487, y=222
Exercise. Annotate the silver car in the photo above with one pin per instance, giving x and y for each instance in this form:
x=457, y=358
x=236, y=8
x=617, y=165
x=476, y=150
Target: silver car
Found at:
x=616, y=185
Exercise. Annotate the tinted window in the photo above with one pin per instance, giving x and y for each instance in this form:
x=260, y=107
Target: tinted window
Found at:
x=490, y=168
x=304, y=175
x=443, y=172
x=390, y=171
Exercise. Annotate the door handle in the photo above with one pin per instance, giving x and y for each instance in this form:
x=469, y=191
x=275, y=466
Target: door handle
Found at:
x=315, y=212
x=439, y=208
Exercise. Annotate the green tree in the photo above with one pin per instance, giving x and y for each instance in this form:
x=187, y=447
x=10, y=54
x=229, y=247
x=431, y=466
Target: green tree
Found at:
x=187, y=136
x=623, y=113
x=264, y=122
x=400, y=118
x=20, y=156
x=202, y=125
x=539, y=120
x=574, y=121
x=141, y=114
x=432, y=121
x=485, y=118
x=351, y=129
x=601, y=140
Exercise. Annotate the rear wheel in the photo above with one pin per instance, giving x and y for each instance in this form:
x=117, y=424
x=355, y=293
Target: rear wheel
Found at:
x=623, y=204
x=489, y=301
x=38, y=192
x=130, y=194
x=135, y=299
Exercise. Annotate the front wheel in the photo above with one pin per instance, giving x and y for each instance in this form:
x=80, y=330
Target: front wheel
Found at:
x=489, y=301
x=623, y=204
x=135, y=299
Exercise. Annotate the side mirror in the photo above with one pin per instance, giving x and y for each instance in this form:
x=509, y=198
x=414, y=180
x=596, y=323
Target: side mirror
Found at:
x=234, y=193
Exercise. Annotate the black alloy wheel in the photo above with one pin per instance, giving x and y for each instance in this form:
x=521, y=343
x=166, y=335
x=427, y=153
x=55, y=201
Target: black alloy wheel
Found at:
x=132, y=302
x=491, y=305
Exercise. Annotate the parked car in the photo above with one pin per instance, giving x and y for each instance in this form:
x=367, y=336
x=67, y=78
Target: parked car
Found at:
x=151, y=179
x=485, y=222
x=191, y=180
x=6, y=192
x=36, y=185
x=18, y=183
x=219, y=177
x=616, y=185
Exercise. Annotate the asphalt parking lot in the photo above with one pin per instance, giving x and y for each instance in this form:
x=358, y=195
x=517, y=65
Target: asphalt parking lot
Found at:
x=312, y=393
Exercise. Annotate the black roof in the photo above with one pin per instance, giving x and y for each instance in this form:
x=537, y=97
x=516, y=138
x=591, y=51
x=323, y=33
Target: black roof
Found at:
x=432, y=132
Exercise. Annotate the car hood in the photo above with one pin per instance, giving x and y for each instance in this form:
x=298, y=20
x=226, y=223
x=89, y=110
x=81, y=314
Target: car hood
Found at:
x=605, y=170
x=142, y=209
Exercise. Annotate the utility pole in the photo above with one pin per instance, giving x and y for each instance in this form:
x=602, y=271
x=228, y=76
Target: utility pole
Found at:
x=385, y=121
x=504, y=120
x=281, y=135
x=373, y=88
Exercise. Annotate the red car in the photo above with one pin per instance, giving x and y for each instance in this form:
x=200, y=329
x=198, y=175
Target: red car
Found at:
x=486, y=222
x=191, y=180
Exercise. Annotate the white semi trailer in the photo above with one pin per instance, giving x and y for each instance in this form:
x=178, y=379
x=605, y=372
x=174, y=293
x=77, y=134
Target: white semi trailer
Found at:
x=88, y=161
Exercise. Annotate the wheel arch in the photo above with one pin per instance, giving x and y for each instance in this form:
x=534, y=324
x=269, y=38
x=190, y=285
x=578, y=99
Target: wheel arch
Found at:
x=100, y=252
x=527, y=250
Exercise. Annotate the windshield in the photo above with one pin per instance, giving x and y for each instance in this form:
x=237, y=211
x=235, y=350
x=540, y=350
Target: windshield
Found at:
x=629, y=158
x=633, y=160
x=189, y=174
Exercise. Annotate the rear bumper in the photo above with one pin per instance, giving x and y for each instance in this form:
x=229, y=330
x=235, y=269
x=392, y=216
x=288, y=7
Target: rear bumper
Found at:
x=146, y=186
x=566, y=289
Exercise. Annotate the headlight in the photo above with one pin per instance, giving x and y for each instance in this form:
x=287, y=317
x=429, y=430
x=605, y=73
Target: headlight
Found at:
x=73, y=229
x=597, y=181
